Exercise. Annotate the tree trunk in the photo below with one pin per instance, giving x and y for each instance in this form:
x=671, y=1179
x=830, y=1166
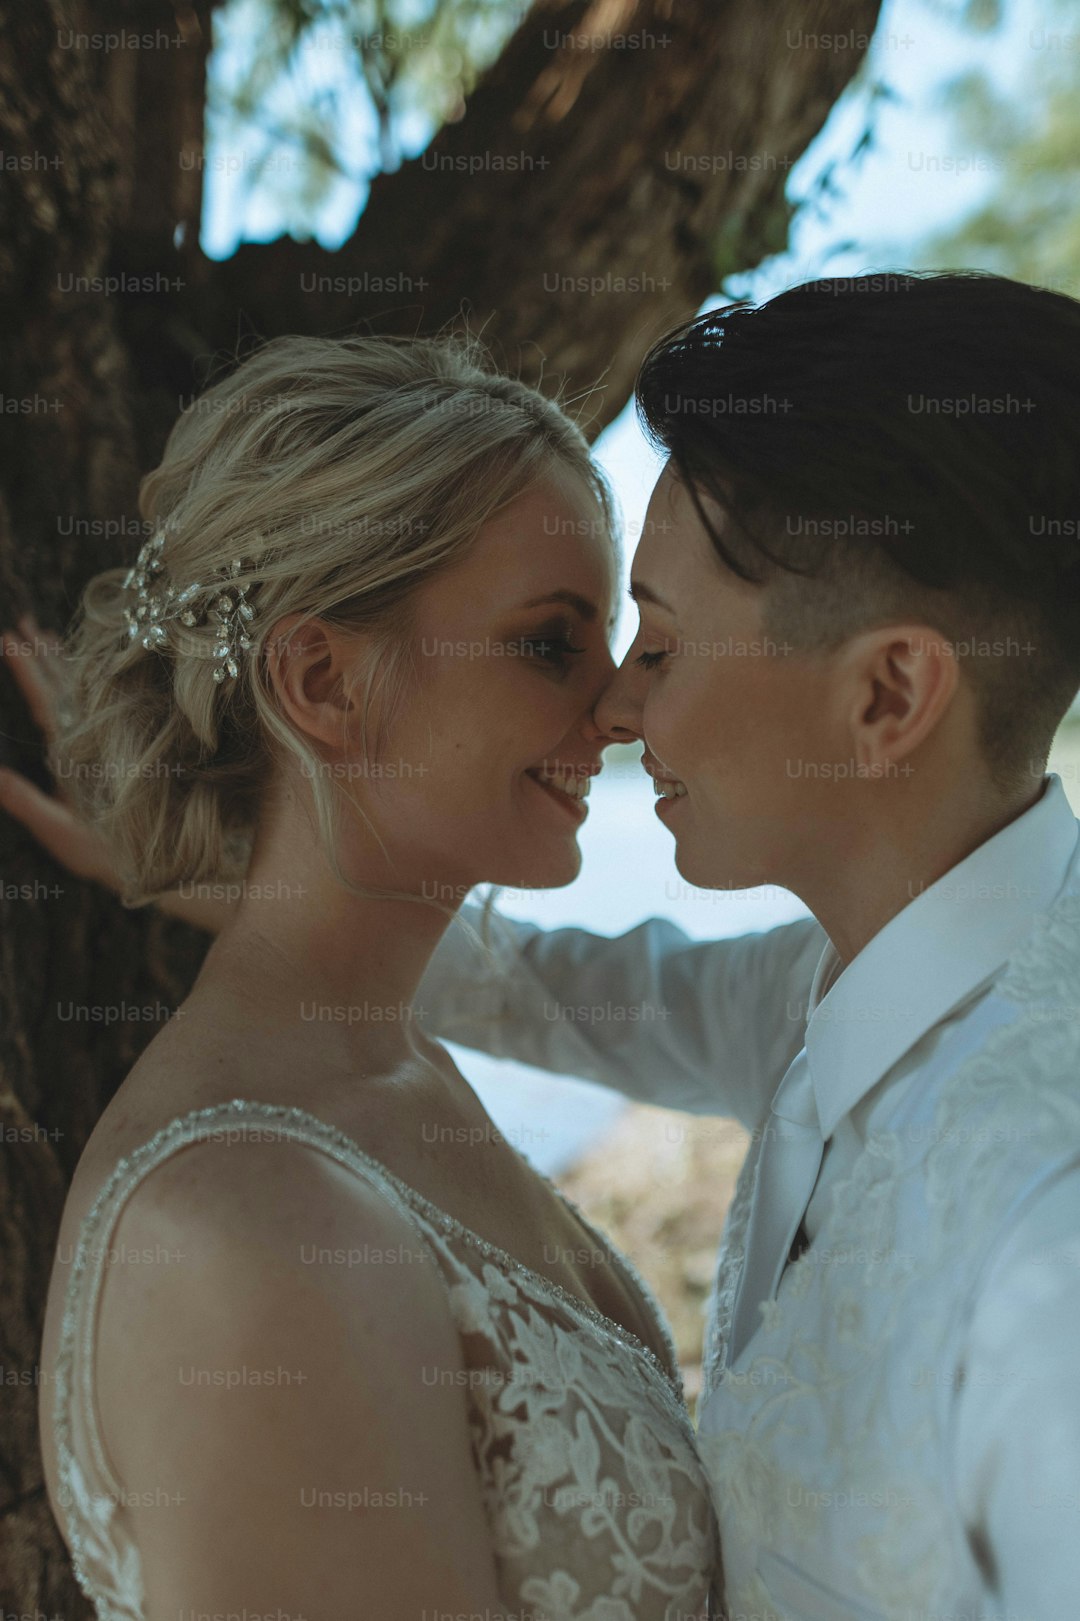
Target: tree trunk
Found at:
x=589, y=200
x=593, y=194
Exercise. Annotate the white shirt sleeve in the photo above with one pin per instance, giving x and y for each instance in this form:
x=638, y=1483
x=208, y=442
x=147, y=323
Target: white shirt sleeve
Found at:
x=706, y=1026
x=1016, y=1440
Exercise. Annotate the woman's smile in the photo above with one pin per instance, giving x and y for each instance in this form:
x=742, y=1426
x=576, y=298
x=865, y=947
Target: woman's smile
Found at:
x=668, y=789
x=567, y=786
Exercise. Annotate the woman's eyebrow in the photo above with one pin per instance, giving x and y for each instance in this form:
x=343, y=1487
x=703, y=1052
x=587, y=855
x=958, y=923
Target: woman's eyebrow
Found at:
x=588, y=610
x=640, y=592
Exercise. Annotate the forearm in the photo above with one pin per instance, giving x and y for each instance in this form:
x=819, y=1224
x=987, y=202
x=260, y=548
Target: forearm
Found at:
x=706, y=1026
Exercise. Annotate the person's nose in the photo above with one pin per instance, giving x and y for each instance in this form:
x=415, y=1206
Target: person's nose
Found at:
x=616, y=715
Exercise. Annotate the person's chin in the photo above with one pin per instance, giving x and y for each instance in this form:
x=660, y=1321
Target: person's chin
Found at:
x=701, y=867
x=689, y=865
x=540, y=869
x=557, y=874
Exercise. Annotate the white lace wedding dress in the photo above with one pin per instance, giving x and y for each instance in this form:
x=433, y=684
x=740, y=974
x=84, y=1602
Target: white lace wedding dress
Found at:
x=598, y=1504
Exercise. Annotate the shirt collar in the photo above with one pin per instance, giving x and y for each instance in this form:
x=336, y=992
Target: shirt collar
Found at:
x=933, y=954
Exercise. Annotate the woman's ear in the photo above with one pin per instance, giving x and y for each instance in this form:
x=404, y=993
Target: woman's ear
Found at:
x=903, y=678
x=309, y=665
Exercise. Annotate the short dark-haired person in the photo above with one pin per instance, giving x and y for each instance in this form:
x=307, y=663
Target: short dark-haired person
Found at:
x=859, y=587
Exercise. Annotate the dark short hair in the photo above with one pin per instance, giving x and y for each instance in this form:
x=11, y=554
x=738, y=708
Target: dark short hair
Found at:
x=894, y=444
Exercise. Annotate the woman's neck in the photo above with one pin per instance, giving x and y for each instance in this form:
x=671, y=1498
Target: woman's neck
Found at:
x=301, y=950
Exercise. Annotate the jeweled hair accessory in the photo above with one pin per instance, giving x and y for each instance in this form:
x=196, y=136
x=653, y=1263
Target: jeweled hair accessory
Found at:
x=155, y=602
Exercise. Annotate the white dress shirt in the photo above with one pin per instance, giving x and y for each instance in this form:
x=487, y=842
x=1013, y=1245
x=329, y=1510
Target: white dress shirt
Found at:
x=717, y=1024
x=874, y=1023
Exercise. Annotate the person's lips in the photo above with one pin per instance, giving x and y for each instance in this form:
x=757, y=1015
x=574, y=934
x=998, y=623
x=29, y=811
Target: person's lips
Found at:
x=567, y=780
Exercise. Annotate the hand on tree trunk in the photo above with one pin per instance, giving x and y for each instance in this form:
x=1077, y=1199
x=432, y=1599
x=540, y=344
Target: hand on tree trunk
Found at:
x=34, y=659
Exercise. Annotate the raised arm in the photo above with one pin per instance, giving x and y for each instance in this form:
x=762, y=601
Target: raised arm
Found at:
x=305, y=1423
x=707, y=1026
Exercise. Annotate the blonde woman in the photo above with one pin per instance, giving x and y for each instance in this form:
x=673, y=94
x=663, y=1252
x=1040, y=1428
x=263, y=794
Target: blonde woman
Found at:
x=355, y=665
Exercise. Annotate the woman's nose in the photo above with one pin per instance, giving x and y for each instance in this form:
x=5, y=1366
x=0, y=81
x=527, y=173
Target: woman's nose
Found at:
x=617, y=712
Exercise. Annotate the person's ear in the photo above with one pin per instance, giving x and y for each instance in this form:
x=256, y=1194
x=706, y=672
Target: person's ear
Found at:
x=309, y=665
x=900, y=681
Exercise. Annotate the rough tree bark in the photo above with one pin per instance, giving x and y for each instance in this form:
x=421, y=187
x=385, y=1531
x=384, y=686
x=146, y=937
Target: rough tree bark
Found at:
x=93, y=186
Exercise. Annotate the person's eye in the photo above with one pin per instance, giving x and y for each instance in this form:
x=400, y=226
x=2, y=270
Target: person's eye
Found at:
x=650, y=661
x=555, y=651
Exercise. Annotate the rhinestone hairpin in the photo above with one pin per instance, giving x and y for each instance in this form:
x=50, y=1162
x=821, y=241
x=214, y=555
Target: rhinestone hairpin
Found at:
x=156, y=602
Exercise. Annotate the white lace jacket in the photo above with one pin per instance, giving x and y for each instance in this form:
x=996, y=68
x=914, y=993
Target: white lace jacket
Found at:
x=597, y=1500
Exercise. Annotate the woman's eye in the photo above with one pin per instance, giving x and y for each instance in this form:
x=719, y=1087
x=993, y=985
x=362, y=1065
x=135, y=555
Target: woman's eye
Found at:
x=550, y=649
x=649, y=661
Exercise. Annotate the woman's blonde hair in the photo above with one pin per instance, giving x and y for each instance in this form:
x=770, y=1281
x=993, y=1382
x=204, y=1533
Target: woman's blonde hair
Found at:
x=345, y=472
